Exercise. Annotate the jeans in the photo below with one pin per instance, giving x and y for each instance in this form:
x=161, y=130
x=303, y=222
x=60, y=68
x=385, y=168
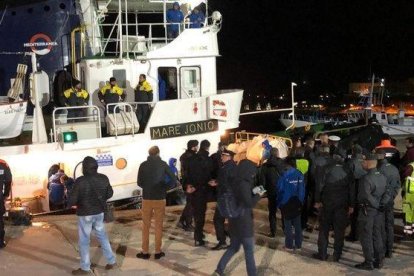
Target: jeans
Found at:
x=296, y=223
x=85, y=226
x=248, y=246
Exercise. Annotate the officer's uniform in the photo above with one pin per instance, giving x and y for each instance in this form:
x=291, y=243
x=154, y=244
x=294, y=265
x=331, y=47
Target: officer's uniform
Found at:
x=392, y=188
x=337, y=195
x=111, y=94
x=5, y=185
x=74, y=97
x=355, y=166
x=370, y=192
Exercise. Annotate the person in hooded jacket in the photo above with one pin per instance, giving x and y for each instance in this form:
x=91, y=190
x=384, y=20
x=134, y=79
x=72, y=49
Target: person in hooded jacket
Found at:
x=111, y=94
x=89, y=195
x=177, y=196
x=151, y=178
x=174, y=17
x=242, y=227
x=197, y=18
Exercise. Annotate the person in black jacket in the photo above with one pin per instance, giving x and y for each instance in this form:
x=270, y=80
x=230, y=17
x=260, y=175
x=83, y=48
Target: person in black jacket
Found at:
x=199, y=174
x=271, y=170
x=241, y=228
x=89, y=195
x=151, y=178
x=5, y=186
x=186, y=218
x=335, y=198
x=224, y=179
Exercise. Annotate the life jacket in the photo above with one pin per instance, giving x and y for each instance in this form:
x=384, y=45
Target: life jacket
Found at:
x=409, y=181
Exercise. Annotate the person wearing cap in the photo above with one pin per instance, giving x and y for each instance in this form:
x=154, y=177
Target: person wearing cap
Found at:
x=241, y=228
x=89, y=194
x=387, y=202
x=186, y=218
x=355, y=166
x=110, y=94
x=200, y=168
x=334, y=198
x=174, y=17
x=392, y=154
x=370, y=192
x=334, y=142
x=75, y=96
x=143, y=93
x=225, y=178
x=197, y=18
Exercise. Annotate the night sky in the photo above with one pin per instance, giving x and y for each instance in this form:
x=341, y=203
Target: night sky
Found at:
x=321, y=45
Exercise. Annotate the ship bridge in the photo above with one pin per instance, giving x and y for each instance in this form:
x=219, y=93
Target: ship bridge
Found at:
x=130, y=28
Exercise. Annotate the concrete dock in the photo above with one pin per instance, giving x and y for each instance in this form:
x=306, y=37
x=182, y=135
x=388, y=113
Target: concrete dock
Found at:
x=49, y=247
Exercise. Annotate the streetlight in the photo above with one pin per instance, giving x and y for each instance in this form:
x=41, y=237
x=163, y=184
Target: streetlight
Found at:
x=292, y=85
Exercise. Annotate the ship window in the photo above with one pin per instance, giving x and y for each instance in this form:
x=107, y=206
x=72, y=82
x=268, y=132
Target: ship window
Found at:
x=120, y=76
x=383, y=116
x=30, y=10
x=190, y=81
x=167, y=83
x=13, y=13
x=62, y=6
x=46, y=8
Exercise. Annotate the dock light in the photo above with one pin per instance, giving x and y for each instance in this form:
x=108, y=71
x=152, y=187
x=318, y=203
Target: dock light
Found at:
x=70, y=137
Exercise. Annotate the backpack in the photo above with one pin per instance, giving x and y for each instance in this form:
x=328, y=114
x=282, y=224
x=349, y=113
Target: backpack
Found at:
x=227, y=205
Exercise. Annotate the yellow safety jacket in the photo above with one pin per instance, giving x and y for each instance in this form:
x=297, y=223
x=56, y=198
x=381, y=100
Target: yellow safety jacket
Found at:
x=74, y=97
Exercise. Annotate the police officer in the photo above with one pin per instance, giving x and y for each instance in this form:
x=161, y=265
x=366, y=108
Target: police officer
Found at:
x=370, y=193
x=76, y=96
x=200, y=169
x=225, y=178
x=111, y=93
x=5, y=185
x=392, y=189
x=355, y=165
x=335, y=198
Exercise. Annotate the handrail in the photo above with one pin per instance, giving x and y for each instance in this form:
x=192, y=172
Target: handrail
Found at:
x=95, y=114
x=117, y=106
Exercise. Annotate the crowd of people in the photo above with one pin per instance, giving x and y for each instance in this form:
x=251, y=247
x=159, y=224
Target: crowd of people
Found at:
x=318, y=177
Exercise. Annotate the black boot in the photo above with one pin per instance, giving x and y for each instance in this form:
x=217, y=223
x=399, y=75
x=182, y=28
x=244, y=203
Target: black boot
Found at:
x=365, y=266
x=379, y=264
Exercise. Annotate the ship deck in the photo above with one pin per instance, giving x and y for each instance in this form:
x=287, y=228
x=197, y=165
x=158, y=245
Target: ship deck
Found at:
x=49, y=247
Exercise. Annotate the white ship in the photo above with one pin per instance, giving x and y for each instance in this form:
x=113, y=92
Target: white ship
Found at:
x=197, y=111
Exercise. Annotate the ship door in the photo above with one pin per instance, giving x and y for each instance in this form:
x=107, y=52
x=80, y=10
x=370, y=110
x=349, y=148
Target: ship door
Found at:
x=190, y=80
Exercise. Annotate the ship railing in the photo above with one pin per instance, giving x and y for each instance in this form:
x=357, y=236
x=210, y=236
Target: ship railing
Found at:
x=137, y=43
x=84, y=120
x=121, y=118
